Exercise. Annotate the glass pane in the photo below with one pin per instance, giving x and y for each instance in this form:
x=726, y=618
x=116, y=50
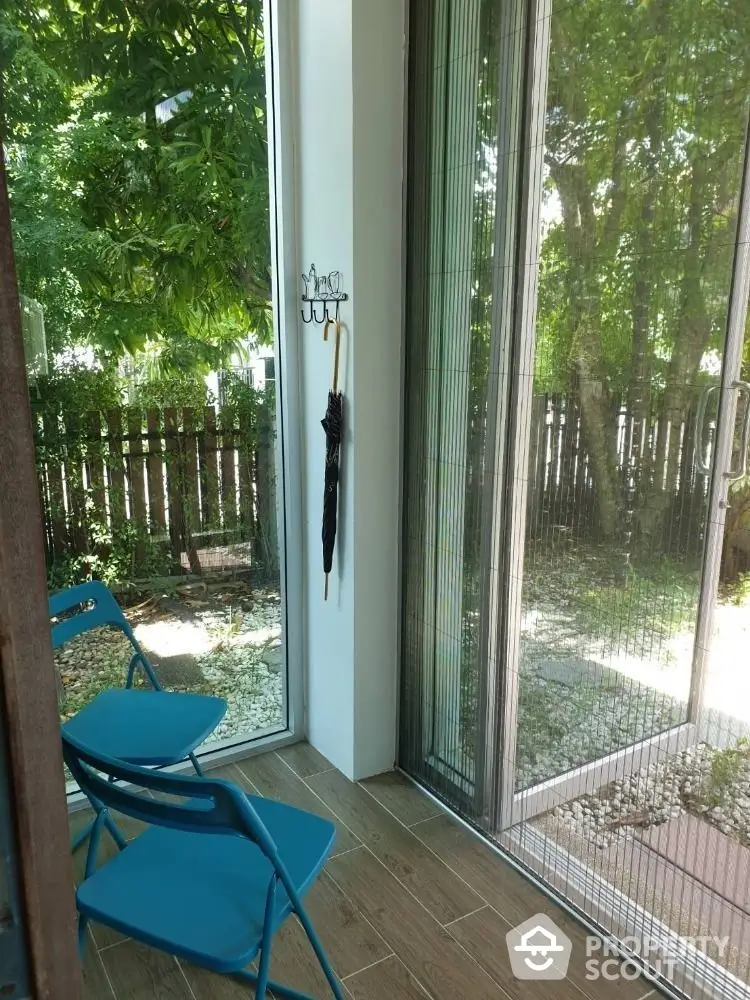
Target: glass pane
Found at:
x=137, y=158
x=645, y=126
x=465, y=78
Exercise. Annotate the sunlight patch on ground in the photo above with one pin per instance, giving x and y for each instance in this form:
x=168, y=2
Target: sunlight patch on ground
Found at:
x=174, y=638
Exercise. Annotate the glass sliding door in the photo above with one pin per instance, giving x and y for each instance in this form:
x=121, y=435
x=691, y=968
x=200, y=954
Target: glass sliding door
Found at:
x=627, y=746
x=466, y=73
x=577, y=525
x=640, y=191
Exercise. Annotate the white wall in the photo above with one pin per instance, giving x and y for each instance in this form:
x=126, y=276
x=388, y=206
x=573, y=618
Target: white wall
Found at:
x=379, y=107
x=349, y=157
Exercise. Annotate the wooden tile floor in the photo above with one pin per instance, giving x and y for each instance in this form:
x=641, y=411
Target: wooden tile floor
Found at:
x=410, y=906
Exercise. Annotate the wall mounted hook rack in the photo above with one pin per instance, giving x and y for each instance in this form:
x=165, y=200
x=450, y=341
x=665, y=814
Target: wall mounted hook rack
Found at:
x=324, y=290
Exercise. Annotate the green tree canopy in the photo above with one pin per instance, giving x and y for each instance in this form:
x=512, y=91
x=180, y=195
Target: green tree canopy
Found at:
x=647, y=115
x=137, y=146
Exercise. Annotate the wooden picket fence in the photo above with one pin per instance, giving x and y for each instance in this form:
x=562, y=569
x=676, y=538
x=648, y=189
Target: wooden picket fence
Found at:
x=562, y=491
x=197, y=485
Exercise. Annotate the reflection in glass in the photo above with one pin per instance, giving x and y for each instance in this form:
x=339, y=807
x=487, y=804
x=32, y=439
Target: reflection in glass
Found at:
x=645, y=127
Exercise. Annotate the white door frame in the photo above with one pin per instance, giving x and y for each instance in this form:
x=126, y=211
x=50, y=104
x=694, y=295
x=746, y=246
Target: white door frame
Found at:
x=511, y=505
x=281, y=75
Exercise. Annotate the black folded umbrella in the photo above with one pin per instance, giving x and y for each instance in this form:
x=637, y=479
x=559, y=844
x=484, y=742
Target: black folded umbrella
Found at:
x=332, y=425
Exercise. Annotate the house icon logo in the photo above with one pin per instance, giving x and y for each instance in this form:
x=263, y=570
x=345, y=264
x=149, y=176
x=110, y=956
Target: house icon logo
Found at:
x=538, y=949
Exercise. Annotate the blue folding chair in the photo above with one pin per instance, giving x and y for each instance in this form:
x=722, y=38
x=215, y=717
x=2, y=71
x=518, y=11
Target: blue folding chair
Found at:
x=212, y=879
x=146, y=727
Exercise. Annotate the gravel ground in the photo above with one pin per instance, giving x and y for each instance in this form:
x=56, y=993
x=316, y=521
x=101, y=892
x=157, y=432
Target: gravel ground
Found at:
x=573, y=711
x=227, y=647
x=702, y=779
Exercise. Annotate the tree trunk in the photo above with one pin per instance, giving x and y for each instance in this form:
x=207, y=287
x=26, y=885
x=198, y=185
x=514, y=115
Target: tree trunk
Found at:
x=640, y=375
x=691, y=341
x=586, y=351
x=596, y=421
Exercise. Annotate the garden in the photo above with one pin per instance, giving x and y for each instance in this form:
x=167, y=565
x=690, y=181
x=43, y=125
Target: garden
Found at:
x=223, y=639
x=607, y=663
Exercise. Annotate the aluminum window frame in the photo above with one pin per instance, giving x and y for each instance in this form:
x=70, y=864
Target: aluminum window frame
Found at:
x=280, y=56
x=280, y=33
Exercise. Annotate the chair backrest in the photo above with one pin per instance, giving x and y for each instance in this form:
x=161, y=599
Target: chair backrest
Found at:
x=105, y=611
x=213, y=806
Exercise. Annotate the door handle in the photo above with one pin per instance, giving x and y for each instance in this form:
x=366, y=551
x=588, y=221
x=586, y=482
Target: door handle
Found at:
x=702, y=462
x=734, y=474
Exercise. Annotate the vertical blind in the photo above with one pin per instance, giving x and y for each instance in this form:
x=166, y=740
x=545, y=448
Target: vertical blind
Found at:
x=466, y=80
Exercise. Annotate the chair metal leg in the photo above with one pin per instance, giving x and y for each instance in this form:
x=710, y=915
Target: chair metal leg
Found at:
x=319, y=951
x=85, y=833
x=261, y=980
x=115, y=833
x=261, y=983
x=265, y=944
x=278, y=989
x=96, y=836
x=196, y=765
x=81, y=836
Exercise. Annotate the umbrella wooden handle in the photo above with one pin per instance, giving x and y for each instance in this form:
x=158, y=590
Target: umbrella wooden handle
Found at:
x=336, y=351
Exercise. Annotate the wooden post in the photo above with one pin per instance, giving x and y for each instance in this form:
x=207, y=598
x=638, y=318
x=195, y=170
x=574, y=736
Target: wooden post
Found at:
x=210, y=469
x=58, y=519
x=95, y=465
x=29, y=714
x=190, y=501
x=554, y=486
x=174, y=496
x=115, y=468
x=266, y=492
x=568, y=464
x=689, y=525
x=228, y=480
x=188, y=448
x=245, y=478
x=74, y=460
x=137, y=482
x=536, y=462
x=155, y=469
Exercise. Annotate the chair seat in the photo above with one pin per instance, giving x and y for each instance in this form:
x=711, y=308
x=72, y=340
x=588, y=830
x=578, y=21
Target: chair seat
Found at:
x=202, y=896
x=146, y=727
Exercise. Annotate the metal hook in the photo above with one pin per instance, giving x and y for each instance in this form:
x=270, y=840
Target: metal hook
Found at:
x=329, y=317
x=302, y=312
x=315, y=314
